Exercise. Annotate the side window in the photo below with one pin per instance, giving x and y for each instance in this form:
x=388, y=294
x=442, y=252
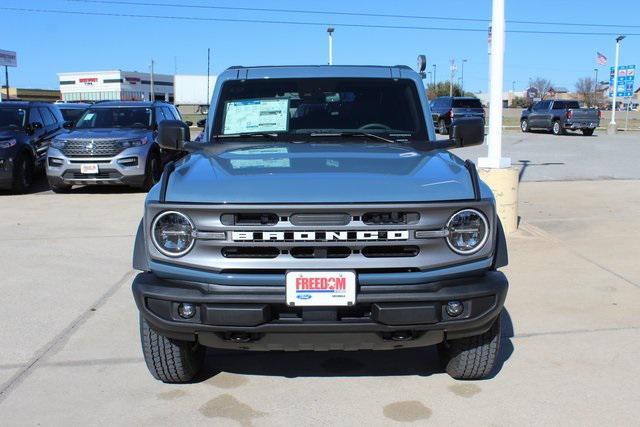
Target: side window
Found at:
x=49, y=119
x=57, y=115
x=558, y=105
x=176, y=113
x=159, y=115
x=168, y=114
x=34, y=116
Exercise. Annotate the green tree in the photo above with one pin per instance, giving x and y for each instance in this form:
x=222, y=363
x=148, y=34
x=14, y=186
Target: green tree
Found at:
x=520, y=102
x=442, y=89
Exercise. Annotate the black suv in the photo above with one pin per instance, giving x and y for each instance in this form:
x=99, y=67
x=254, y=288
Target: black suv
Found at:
x=113, y=142
x=25, y=131
x=445, y=108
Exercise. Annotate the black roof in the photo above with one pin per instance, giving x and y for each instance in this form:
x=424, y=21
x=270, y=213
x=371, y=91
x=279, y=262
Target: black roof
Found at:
x=72, y=105
x=22, y=104
x=100, y=104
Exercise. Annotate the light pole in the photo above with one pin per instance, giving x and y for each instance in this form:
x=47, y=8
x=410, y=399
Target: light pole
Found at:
x=434, y=74
x=430, y=74
x=330, y=31
x=612, y=128
x=452, y=71
x=494, y=158
x=462, y=77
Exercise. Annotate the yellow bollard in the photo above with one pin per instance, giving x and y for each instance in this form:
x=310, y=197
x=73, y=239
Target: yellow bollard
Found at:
x=504, y=184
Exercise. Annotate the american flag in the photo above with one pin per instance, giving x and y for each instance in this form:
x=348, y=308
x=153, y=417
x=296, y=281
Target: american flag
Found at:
x=601, y=59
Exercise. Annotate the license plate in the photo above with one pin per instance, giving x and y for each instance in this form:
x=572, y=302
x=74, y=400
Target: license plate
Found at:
x=89, y=168
x=321, y=288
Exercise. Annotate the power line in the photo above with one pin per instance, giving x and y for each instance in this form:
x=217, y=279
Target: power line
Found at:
x=317, y=24
x=339, y=13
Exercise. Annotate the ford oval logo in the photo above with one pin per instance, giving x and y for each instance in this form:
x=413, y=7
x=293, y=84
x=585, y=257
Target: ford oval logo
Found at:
x=303, y=296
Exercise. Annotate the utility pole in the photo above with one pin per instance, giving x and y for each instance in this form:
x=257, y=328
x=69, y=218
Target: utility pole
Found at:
x=462, y=77
x=208, y=71
x=452, y=71
x=330, y=31
x=494, y=158
x=153, y=94
x=6, y=79
x=612, y=128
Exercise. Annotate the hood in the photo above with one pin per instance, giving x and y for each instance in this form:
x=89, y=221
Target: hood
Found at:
x=9, y=134
x=318, y=173
x=109, y=133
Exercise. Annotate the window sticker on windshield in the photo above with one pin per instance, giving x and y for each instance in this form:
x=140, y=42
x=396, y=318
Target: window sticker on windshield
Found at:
x=89, y=116
x=256, y=115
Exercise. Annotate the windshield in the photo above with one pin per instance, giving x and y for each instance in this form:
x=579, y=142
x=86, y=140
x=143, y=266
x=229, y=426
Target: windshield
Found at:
x=300, y=107
x=467, y=103
x=12, y=117
x=71, y=114
x=117, y=117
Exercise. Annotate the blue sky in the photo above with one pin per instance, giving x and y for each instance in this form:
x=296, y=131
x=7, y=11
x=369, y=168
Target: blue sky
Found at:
x=51, y=43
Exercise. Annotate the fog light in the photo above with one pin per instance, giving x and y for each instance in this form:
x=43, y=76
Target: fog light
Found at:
x=186, y=310
x=454, y=308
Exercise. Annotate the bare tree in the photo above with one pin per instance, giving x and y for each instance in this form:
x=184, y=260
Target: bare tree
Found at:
x=543, y=86
x=586, y=90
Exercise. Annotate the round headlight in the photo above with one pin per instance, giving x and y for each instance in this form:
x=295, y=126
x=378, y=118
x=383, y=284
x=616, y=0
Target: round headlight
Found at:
x=172, y=233
x=468, y=231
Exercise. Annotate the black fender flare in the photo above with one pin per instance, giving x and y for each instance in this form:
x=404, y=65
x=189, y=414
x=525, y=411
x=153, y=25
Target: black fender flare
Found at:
x=140, y=258
x=500, y=255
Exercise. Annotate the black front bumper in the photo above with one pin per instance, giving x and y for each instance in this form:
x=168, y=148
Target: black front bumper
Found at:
x=248, y=317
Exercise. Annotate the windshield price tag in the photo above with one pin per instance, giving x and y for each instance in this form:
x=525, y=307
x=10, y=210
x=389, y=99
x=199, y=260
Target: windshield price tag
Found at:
x=256, y=115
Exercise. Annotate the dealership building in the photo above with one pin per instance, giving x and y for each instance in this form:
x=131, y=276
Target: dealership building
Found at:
x=117, y=85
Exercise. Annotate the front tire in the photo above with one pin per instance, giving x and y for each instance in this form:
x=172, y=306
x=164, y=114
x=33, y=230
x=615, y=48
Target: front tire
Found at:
x=442, y=127
x=524, y=125
x=170, y=361
x=472, y=358
x=587, y=132
x=22, y=174
x=153, y=171
x=557, y=128
x=59, y=188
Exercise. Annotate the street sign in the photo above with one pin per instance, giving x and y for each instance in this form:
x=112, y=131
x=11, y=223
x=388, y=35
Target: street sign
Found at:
x=8, y=58
x=624, y=81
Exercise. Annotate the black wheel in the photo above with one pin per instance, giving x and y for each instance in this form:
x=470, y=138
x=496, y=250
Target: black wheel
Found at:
x=169, y=360
x=59, y=187
x=22, y=173
x=153, y=171
x=524, y=125
x=557, y=128
x=587, y=132
x=442, y=127
x=472, y=358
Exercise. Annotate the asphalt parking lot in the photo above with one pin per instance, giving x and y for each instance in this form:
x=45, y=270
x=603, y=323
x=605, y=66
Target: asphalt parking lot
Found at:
x=71, y=354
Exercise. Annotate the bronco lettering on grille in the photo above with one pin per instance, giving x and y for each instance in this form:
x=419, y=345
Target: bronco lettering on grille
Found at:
x=315, y=236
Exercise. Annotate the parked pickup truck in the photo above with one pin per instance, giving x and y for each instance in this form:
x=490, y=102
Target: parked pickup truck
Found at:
x=319, y=212
x=560, y=116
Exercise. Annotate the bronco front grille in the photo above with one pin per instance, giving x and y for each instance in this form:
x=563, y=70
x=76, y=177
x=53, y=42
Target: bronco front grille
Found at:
x=92, y=148
x=259, y=238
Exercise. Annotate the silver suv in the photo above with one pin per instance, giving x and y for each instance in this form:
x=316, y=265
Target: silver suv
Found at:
x=112, y=143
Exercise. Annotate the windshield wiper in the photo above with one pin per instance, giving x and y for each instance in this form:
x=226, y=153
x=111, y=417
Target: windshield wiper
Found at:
x=248, y=134
x=348, y=134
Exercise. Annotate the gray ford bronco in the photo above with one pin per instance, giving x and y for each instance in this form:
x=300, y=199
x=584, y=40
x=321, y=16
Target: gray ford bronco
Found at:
x=319, y=212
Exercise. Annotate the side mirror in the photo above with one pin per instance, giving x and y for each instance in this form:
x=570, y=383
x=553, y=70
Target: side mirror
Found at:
x=201, y=123
x=68, y=125
x=188, y=123
x=173, y=134
x=466, y=131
